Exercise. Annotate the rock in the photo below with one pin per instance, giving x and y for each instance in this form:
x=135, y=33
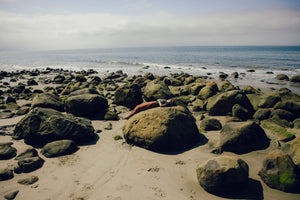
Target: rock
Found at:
x=243, y=137
x=59, y=79
x=295, y=79
x=6, y=174
x=283, y=114
x=208, y=91
x=7, y=151
x=157, y=90
x=108, y=127
x=262, y=114
x=226, y=86
x=31, y=82
x=296, y=123
x=195, y=88
x=96, y=80
x=111, y=115
x=28, y=181
x=27, y=165
x=80, y=78
x=10, y=100
x=162, y=129
x=47, y=100
x=241, y=112
x=23, y=110
x=250, y=90
x=290, y=105
x=280, y=172
x=269, y=101
x=221, y=104
x=90, y=90
x=43, y=125
x=292, y=148
x=223, y=174
x=129, y=95
x=210, y=124
x=282, y=77
x=11, y=195
x=28, y=153
x=235, y=75
x=59, y=148
x=223, y=75
x=86, y=105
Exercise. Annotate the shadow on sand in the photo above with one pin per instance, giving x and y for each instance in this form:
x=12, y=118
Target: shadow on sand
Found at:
x=252, y=190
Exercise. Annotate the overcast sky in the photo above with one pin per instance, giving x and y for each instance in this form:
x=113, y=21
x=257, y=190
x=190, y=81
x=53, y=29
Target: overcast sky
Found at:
x=75, y=24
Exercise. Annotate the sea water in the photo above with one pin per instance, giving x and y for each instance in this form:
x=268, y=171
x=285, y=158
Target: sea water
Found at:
x=265, y=61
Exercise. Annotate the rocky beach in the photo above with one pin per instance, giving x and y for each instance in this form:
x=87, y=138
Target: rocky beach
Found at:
x=62, y=136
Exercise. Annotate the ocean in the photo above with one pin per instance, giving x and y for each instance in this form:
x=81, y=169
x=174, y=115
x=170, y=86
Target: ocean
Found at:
x=265, y=61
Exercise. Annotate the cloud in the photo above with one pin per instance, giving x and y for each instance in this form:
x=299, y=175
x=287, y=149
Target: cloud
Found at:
x=97, y=30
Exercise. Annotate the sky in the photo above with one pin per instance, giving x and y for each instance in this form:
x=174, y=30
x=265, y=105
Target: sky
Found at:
x=85, y=24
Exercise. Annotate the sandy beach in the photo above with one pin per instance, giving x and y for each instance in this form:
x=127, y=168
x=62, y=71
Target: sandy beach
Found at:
x=111, y=169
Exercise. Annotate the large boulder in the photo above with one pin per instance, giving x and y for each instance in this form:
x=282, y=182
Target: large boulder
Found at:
x=241, y=112
x=223, y=174
x=7, y=151
x=269, y=101
x=90, y=90
x=129, y=95
x=221, y=104
x=210, y=124
x=157, y=90
x=280, y=172
x=59, y=148
x=291, y=106
x=261, y=114
x=47, y=100
x=86, y=105
x=293, y=149
x=243, y=137
x=43, y=125
x=162, y=129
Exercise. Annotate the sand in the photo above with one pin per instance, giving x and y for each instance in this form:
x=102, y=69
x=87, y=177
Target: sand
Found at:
x=113, y=170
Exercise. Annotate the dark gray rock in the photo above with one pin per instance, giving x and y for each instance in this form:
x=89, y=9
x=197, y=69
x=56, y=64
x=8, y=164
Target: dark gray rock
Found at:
x=210, y=124
x=28, y=181
x=157, y=90
x=27, y=165
x=11, y=195
x=223, y=174
x=43, y=125
x=86, y=105
x=7, y=151
x=47, y=100
x=59, y=148
x=282, y=77
x=295, y=79
x=28, y=153
x=162, y=129
x=270, y=101
x=283, y=114
x=280, y=172
x=262, y=114
x=243, y=137
x=129, y=95
x=6, y=174
x=241, y=112
x=221, y=104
